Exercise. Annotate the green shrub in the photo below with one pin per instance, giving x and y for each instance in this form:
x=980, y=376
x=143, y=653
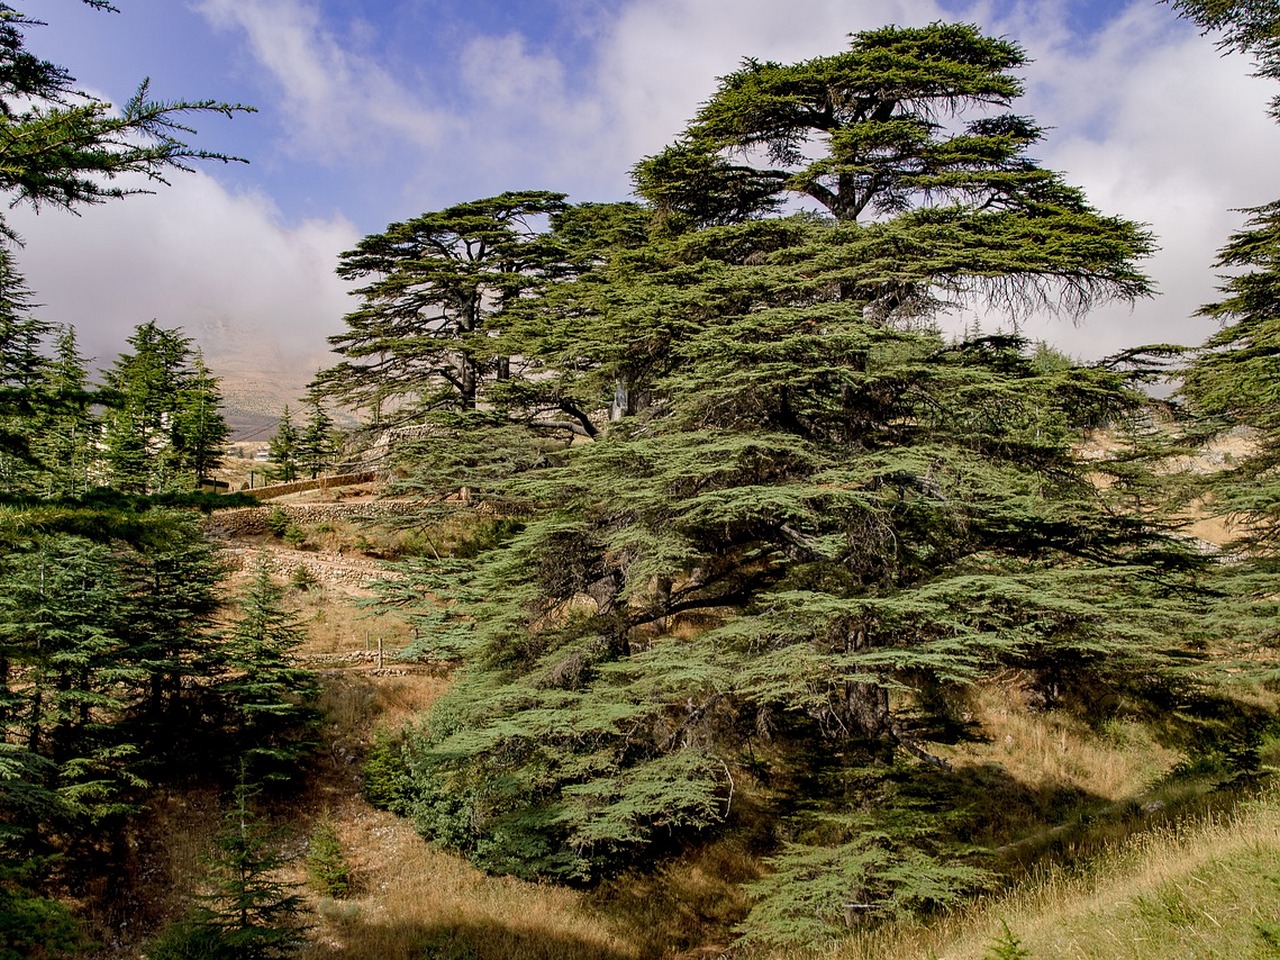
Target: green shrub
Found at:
x=294, y=536
x=31, y=924
x=386, y=774
x=189, y=940
x=1006, y=947
x=277, y=522
x=302, y=578
x=327, y=864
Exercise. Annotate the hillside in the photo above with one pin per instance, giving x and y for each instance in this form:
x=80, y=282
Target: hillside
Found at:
x=1148, y=856
x=1203, y=888
x=258, y=375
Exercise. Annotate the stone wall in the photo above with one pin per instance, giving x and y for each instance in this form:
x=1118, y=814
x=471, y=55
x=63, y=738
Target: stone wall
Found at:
x=250, y=521
x=320, y=483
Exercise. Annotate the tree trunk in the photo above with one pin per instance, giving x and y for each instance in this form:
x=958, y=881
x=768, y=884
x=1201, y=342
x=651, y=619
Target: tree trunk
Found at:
x=866, y=705
x=629, y=398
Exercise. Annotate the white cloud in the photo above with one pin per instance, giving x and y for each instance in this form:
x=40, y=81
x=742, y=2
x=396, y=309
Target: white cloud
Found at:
x=338, y=104
x=663, y=56
x=1148, y=119
x=1159, y=128
x=260, y=297
x=529, y=118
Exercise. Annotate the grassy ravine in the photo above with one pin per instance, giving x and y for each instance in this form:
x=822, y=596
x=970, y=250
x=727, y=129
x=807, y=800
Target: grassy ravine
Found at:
x=1209, y=889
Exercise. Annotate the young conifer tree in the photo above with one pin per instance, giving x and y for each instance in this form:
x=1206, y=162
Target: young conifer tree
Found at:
x=316, y=446
x=269, y=698
x=285, y=448
x=163, y=427
x=249, y=912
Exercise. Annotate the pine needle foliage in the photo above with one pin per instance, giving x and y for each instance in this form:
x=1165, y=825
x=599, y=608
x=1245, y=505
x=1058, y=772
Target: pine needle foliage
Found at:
x=64, y=148
x=806, y=520
x=1233, y=380
x=328, y=868
x=163, y=427
x=32, y=925
x=438, y=288
x=249, y=913
x=268, y=697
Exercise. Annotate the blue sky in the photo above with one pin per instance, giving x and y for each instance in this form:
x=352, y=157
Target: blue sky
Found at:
x=377, y=110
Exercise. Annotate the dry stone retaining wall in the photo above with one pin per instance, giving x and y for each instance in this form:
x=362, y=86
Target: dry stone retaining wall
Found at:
x=324, y=568
x=248, y=521
x=300, y=486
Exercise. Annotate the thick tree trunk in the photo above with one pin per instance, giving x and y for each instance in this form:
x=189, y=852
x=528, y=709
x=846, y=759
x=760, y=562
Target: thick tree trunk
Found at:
x=629, y=398
x=866, y=705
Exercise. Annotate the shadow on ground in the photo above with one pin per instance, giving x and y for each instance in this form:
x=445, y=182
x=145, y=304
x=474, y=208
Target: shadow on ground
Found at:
x=466, y=941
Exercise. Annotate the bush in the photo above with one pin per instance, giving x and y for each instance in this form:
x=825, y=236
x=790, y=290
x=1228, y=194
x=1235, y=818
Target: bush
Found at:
x=1006, y=947
x=294, y=536
x=327, y=864
x=386, y=774
x=31, y=924
x=302, y=578
x=277, y=522
x=188, y=940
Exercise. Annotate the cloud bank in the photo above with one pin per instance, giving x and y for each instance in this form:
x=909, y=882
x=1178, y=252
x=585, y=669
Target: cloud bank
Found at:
x=260, y=296
x=1144, y=115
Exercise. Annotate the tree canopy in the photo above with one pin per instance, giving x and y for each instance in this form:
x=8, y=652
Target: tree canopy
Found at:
x=163, y=429
x=816, y=520
x=440, y=285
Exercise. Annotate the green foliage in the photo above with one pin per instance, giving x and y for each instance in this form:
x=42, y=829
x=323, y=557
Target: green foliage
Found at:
x=277, y=521
x=248, y=912
x=385, y=782
x=327, y=865
x=804, y=519
x=269, y=698
x=32, y=925
x=163, y=429
x=1006, y=947
x=294, y=536
x=317, y=445
x=284, y=447
x=1247, y=26
x=189, y=940
x=302, y=578
x=873, y=843
x=64, y=148
x=438, y=288
x=1235, y=378
x=46, y=428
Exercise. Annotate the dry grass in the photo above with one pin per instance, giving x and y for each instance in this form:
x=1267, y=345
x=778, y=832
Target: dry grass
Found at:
x=356, y=704
x=1160, y=893
x=418, y=902
x=334, y=625
x=1041, y=749
x=414, y=901
x=1207, y=889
